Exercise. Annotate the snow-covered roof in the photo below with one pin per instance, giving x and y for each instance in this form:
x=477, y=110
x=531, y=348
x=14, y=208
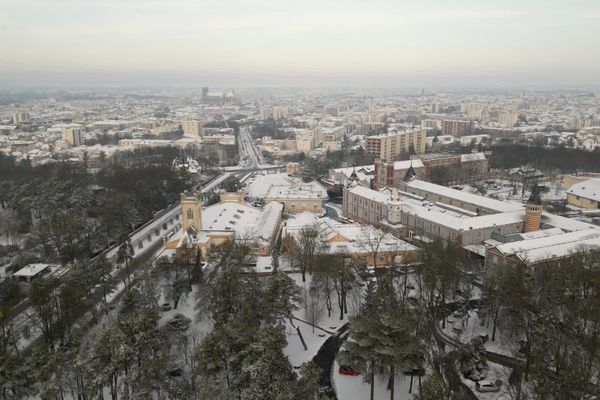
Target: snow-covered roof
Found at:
x=358, y=237
x=540, y=234
x=407, y=163
x=269, y=220
x=369, y=193
x=472, y=157
x=544, y=248
x=306, y=191
x=244, y=220
x=259, y=186
x=486, y=202
x=564, y=223
x=32, y=270
x=589, y=189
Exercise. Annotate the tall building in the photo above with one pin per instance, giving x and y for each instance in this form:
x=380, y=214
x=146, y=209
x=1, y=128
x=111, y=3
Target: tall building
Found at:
x=475, y=111
x=437, y=108
x=275, y=113
x=192, y=128
x=389, y=147
x=72, y=134
x=457, y=128
x=533, y=210
x=507, y=118
x=20, y=116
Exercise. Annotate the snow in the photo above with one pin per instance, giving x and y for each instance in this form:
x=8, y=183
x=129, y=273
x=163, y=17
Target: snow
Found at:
x=589, y=189
x=542, y=248
x=325, y=326
x=369, y=194
x=294, y=349
x=246, y=221
x=259, y=186
x=354, y=388
x=113, y=295
x=31, y=270
x=216, y=182
x=405, y=164
x=495, y=372
x=474, y=325
x=186, y=307
x=459, y=195
x=350, y=238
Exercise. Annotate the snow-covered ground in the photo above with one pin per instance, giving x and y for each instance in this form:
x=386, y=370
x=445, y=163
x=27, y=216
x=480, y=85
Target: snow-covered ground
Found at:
x=472, y=326
x=354, y=387
x=325, y=326
x=503, y=189
x=186, y=307
x=495, y=372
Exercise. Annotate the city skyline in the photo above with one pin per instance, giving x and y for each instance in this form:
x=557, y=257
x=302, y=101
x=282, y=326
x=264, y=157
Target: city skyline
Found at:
x=237, y=43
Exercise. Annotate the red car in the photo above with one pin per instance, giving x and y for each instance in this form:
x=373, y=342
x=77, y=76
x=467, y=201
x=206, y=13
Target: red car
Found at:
x=346, y=370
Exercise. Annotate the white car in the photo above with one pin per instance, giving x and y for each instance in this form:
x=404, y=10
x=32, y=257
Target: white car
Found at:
x=486, y=386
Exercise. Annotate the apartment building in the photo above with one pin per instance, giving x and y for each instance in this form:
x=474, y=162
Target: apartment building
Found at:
x=457, y=127
x=72, y=134
x=389, y=147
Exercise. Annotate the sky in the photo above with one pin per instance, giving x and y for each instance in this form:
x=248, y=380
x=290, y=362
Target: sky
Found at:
x=309, y=42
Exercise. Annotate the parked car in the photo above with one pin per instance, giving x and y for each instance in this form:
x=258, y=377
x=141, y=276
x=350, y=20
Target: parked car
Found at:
x=486, y=386
x=165, y=306
x=347, y=370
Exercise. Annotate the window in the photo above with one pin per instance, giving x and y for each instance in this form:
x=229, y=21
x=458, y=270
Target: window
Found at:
x=190, y=213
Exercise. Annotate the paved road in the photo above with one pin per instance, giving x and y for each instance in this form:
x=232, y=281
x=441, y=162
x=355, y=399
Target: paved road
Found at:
x=249, y=156
x=326, y=356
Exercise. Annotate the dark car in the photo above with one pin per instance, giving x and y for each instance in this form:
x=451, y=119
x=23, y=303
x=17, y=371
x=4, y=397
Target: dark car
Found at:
x=347, y=370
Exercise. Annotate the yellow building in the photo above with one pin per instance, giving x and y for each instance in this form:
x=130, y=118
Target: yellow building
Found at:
x=585, y=194
x=296, y=198
x=206, y=229
x=192, y=128
x=72, y=134
x=362, y=243
x=389, y=147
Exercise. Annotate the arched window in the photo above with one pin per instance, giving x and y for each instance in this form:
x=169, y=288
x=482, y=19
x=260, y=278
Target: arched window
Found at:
x=190, y=213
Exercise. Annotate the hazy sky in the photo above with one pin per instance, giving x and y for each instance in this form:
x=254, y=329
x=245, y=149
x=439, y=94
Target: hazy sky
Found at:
x=279, y=41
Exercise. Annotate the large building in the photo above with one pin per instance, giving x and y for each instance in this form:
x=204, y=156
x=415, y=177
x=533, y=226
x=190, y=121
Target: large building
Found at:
x=391, y=174
x=361, y=242
x=424, y=211
x=457, y=128
x=20, y=116
x=296, y=198
x=390, y=147
x=585, y=194
x=448, y=169
x=192, y=128
x=72, y=134
x=206, y=229
x=216, y=98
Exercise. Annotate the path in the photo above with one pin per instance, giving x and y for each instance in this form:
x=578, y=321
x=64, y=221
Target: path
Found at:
x=326, y=356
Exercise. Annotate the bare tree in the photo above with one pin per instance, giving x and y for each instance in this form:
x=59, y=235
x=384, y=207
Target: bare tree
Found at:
x=371, y=240
x=313, y=305
x=304, y=247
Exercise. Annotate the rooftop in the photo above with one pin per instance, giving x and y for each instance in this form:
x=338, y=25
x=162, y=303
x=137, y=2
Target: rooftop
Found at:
x=293, y=192
x=486, y=202
x=32, y=270
x=589, y=189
